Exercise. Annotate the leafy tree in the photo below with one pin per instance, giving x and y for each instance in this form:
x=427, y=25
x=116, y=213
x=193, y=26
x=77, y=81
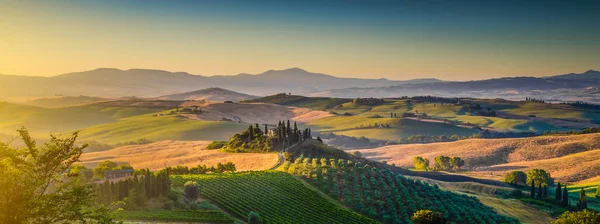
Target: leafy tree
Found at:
x=191, y=190
x=516, y=177
x=421, y=163
x=427, y=217
x=104, y=166
x=539, y=176
x=456, y=163
x=581, y=217
x=33, y=187
x=254, y=218
x=442, y=163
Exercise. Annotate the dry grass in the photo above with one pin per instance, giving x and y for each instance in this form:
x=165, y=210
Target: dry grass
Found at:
x=158, y=155
x=575, y=160
x=571, y=168
x=256, y=113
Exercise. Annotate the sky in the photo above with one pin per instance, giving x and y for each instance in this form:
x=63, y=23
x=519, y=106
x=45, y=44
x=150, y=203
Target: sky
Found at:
x=399, y=40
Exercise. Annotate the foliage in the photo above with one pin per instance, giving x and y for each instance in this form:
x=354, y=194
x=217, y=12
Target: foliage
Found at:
x=421, y=163
x=254, y=218
x=216, y=145
x=427, y=217
x=384, y=195
x=368, y=101
x=191, y=190
x=202, y=169
x=442, y=163
x=276, y=196
x=456, y=163
x=136, y=188
x=251, y=140
x=539, y=176
x=582, y=217
x=35, y=189
x=516, y=177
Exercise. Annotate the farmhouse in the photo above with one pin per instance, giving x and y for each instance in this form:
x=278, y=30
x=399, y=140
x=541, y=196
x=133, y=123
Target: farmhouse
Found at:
x=113, y=174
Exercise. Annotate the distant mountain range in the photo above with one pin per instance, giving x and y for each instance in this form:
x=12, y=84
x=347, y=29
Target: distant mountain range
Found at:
x=560, y=88
x=210, y=94
x=109, y=82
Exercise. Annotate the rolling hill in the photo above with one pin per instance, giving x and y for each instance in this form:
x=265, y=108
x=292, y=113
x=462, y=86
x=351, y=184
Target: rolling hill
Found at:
x=210, y=94
x=558, y=154
x=63, y=101
x=157, y=155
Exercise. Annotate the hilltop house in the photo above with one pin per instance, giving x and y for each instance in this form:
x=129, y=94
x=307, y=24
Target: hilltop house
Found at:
x=113, y=174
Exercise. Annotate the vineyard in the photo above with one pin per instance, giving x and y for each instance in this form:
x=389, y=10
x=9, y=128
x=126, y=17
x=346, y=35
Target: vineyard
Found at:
x=203, y=216
x=385, y=196
x=276, y=196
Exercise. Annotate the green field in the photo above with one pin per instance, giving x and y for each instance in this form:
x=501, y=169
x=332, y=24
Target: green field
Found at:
x=363, y=125
x=316, y=103
x=42, y=121
x=276, y=196
x=168, y=127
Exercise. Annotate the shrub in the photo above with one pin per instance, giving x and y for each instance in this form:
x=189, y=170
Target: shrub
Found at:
x=253, y=218
x=216, y=145
x=516, y=177
x=421, y=163
x=581, y=217
x=191, y=190
x=427, y=217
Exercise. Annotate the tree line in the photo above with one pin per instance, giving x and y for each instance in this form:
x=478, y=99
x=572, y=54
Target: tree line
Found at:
x=203, y=169
x=136, y=189
x=442, y=163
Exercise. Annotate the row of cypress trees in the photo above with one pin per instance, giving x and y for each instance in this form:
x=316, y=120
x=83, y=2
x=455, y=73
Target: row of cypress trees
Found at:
x=147, y=184
x=561, y=195
x=286, y=135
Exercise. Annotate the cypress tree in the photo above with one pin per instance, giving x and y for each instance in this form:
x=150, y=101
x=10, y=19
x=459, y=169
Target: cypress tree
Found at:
x=532, y=188
x=539, y=194
x=250, y=132
x=266, y=129
x=289, y=130
x=582, y=200
x=565, y=197
x=544, y=192
x=557, y=195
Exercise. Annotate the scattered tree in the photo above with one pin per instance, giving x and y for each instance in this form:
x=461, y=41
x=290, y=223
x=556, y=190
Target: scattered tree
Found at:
x=516, y=177
x=427, y=217
x=421, y=163
x=191, y=190
x=582, y=217
x=254, y=218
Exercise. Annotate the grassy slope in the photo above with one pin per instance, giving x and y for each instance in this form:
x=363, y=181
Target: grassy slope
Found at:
x=170, y=127
x=488, y=152
x=157, y=155
x=351, y=126
x=276, y=196
x=64, y=101
x=315, y=103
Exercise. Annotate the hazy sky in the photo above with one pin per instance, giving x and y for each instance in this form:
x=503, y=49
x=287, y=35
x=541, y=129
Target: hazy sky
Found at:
x=451, y=40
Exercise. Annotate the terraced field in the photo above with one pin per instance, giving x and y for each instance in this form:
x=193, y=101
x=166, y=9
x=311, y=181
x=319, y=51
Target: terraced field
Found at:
x=276, y=196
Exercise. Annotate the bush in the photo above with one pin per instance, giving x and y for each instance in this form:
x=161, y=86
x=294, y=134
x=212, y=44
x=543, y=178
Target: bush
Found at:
x=216, y=145
x=516, y=177
x=421, y=163
x=253, y=218
x=581, y=217
x=191, y=190
x=427, y=217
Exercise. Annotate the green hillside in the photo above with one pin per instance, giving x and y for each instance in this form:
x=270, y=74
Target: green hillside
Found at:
x=380, y=193
x=156, y=128
x=64, y=101
x=364, y=125
x=276, y=196
x=41, y=121
x=316, y=103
